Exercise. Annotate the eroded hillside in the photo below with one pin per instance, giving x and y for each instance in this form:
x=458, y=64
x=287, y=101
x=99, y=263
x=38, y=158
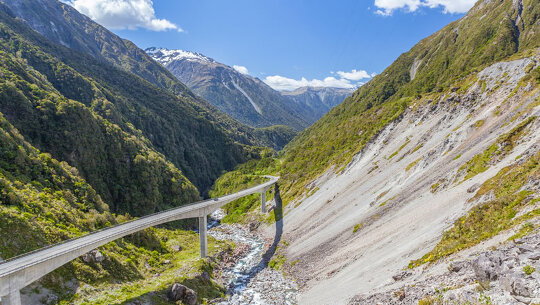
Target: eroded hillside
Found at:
x=423, y=172
x=434, y=159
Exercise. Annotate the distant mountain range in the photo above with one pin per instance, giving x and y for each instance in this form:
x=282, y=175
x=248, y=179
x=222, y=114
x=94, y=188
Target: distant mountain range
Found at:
x=317, y=101
x=244, y=97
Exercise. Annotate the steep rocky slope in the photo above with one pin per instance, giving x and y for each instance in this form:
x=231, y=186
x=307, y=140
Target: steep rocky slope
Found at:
x=450, y=160
x=414, y=180
x=491, y=32
x=436, y=156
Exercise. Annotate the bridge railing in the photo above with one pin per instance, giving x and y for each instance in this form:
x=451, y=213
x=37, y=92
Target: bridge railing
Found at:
x=18, y=272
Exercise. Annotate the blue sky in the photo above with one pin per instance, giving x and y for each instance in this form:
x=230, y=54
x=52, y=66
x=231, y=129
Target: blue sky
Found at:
x=292, y=39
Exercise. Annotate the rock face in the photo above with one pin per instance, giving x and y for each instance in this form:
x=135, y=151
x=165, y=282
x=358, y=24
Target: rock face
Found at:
x=488, y=266
x=507, y=275
x=179, y=292
x=247, y=98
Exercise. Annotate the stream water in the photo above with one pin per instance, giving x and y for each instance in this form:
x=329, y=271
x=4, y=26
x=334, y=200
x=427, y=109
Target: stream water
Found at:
x=250, y=281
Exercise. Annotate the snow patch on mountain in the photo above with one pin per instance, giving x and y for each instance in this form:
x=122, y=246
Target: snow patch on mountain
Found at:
x=165, y=56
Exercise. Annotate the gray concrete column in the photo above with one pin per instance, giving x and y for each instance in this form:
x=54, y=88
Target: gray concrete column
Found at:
x=202, y=236
x=263, y=202
x=14, y=298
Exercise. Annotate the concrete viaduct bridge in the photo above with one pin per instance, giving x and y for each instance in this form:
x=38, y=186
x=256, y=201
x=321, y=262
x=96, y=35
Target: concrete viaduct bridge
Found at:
x=21, y=271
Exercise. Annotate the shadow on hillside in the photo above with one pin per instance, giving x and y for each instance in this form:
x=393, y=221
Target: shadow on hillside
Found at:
x=278, y=216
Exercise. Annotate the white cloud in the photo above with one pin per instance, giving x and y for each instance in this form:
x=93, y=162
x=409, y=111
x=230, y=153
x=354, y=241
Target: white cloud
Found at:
x=347, y=80
x=241, y=69
x=123, y=14
x=354, y=75
x=387, y=7
x=452, y=6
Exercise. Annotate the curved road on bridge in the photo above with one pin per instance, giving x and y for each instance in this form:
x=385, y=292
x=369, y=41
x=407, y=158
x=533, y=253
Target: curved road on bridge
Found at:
x=19, y=272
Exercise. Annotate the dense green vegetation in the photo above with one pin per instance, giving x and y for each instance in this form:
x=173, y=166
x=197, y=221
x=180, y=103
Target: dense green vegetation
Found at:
x=45, y=201
x=246, y=175
x=175, y=126
x=157, y=271
x=489, y=218
x=120, y=166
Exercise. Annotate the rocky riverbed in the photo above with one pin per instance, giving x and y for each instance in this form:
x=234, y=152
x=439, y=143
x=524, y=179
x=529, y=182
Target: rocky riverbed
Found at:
x=248, y=279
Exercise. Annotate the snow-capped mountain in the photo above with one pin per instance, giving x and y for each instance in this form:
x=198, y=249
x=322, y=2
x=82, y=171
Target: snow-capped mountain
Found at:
x=244, y=97
x=166, y=56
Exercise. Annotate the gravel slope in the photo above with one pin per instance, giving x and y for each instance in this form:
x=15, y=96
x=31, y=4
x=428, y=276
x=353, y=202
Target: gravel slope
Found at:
x=389, y=193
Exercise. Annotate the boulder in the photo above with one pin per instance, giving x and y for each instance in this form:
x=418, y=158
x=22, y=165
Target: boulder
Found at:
x=457, y=266
x=488, y=266
x=190, y=298
x=473, y=188
x=176, y=248
x=400, y=276
x=93, y=256
x=525, y=248
x=516, y=285
x=179, y=292
x=253, y=226
x=535, y=256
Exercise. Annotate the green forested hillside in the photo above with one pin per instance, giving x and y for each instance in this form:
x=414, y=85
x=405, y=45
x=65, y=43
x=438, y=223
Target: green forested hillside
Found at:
x=115, y=127
x=118, y=162
x=44, y=201
x=62, y=25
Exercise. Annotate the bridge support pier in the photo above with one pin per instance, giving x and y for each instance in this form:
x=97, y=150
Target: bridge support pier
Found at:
x=263, y=201
x=203, y=236
x=13, y=298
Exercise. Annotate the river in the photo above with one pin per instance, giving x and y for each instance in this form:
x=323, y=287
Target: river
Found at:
x=250, y=281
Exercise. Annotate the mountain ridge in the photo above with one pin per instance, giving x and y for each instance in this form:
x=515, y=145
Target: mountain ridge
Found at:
x=243, y=96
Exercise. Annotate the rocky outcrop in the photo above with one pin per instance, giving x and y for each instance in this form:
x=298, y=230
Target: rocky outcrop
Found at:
x=179, y=292
x=506, y=275
x=93, y=256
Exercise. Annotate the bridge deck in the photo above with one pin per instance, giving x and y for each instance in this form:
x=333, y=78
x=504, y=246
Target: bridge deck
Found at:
x=18, y=272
